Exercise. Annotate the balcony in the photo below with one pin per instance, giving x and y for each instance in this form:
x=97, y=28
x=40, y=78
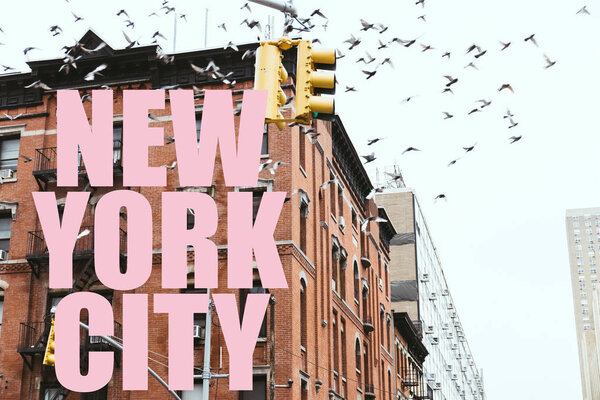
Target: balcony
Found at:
x=368, y=325
x=37, y=253
x=33, y=337
x=32, y=340
x=45, y=164
x=369, y=391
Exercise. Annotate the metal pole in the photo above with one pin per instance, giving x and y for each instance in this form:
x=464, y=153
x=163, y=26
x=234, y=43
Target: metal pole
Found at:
x=174, y=30
x=205, y=27
x=154, y=374
x=283, y=6
x=206, y=367
x=286, y=7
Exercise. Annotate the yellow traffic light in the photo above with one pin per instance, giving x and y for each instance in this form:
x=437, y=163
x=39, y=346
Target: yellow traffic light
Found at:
x=310, y=82
x=49, y=354
x=269, y=75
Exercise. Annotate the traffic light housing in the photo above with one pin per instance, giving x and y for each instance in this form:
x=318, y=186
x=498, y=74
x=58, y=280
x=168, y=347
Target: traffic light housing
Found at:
x=269, y=75
x=49, y=354
x=312, y=82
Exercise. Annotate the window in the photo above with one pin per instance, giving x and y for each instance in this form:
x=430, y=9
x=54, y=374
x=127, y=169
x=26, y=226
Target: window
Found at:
x=583, y=294
x=343, y=347
x=53, y=394
x=9, y=152
x=357, y=357
x=303, y=219
x=387, y=283
x=388, y=329
x=389, y=374
x=575, y=224
x=257, y=194
x=117, y=143
x=1, y=311
x=198, y=127
x=302, y=148
x=303, y=312
x=356, y=281
x=382, y=328
x=199, y=324
x=336, y=346
x=332, y=192
x=578, y=247
x=256, y=289
x=5, y=225
x=264, y=149
x=343, y=263
x=259, y=389
x=587, y=326
x=340, y=201
x=354, y=219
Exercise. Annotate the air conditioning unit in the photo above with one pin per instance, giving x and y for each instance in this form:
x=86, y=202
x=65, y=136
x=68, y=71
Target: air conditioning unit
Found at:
x=431, y=376
x=6, y=173
x=199, y=332
x=471, y=362
x=450, y=306
x=380, y=283
x=450, y=335
x=463, y=368
x=425, y=278
x=445, y=292
x=432, y=296
x=452, y=314
x=448, y=367
x=437, y=385
x=445, y=326
x=429, y=329
x=454, y=346
x=342, y=222
x=3, y=255
x=454, y=377
x=435, y=340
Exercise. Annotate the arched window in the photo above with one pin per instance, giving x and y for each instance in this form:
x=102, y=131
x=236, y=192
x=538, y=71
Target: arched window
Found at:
x=357, y=354
x=303, y=326
x=356, y=282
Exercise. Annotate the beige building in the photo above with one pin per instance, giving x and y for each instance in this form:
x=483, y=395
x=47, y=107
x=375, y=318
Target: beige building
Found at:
x=583, y=235
x=419, y=288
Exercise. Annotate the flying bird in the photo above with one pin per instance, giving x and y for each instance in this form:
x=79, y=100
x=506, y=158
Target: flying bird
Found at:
x=350, y=89
x=373, y=192
x=246, y=6
x=365, y=25
x=28, y=49
x=273, y=167
x=222, y=26
x=232, y=46
x=452, y=162
x=426, y=47
x=369, y=158
x=170, y=167
x=92, y=75
x=319, y=13
x=363, y=226
x=325, y=184
x=373, y=141
x=504, y=45
x=83, y=233
x=549, y=63
x=532, y=39
x=122, y=12
x=440, y=196
x=352, y=41
x=583, y=10
x=369, y=73
x=506, y=86
x=410, y=149
x=484, y=103
x=77, y=17
x=422, y=17
x=38, y=85
x=473, y=47
x=508, y=114
x=248, y=54
x=472, y=66
x=27, y=159
x=169, y=139
x=451, y=80
x=56, y=30
x=514, y=139
x=512, y=123
x=474, y=111
x=480, y=54
x=422, y=2
x=447, y=115
x=469, y=148
x=13, y=117
x=446, y=54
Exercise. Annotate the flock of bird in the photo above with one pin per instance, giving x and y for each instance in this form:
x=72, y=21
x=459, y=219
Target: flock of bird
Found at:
x=370, y=65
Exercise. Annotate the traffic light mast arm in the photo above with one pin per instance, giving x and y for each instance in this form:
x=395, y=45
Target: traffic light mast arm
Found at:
x=284, y=7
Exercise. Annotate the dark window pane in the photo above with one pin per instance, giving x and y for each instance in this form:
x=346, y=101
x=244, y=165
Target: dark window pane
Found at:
x=259, y=389
x=265, y=141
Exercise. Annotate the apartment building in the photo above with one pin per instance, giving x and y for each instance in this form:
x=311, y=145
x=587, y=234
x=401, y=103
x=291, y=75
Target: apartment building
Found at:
x=330, y=335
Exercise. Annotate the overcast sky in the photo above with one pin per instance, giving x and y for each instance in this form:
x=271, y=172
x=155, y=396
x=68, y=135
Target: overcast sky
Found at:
x=501, y=233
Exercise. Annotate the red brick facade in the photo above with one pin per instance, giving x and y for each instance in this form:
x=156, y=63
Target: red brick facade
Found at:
x=320, y=329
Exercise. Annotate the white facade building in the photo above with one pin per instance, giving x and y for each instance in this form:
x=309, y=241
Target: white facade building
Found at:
x=419, y=287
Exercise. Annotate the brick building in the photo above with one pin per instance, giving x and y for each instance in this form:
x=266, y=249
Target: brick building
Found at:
x=331, y=333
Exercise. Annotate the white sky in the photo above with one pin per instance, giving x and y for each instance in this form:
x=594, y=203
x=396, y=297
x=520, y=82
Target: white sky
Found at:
x=501, y=234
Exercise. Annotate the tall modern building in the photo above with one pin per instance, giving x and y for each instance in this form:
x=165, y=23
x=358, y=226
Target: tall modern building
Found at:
x=419, y=288
x=583, y=236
